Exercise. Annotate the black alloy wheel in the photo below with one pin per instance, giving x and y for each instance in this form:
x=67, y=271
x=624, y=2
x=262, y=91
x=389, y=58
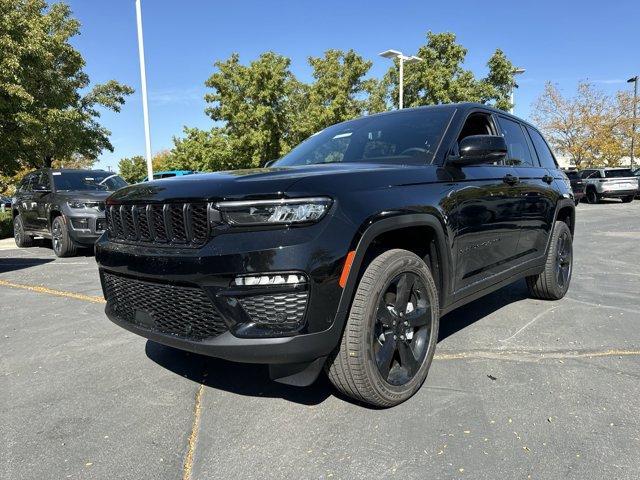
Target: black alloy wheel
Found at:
x=402, y=329
x=564, y=252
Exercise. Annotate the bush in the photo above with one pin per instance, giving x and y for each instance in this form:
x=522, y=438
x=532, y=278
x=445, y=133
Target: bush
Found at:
x=6, y=225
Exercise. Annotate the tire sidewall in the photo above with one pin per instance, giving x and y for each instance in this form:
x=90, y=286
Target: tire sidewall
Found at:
x=400, y=262
x=560, y=228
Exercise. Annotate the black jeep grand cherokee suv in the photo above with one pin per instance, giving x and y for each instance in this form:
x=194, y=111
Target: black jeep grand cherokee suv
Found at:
x=345, y=253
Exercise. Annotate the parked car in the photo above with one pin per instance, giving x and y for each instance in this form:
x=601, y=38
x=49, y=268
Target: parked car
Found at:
x=5, y=202
x=609, y=183
x=637, y=174
x=64, y=205
x=577, y=184
x=171, y=173
x=346, y=252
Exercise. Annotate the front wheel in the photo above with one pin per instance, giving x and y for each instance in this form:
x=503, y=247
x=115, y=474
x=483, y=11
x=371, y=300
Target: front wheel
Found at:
x=61, y=241
x=391, y=333
x=592, y=196
x=553, y=282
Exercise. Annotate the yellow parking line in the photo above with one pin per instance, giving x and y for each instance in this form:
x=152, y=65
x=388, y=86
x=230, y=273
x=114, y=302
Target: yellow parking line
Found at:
x=50, y=291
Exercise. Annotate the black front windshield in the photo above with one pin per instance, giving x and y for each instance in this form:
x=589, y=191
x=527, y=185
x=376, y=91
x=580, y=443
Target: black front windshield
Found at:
x=409, y=137
x=88, y=180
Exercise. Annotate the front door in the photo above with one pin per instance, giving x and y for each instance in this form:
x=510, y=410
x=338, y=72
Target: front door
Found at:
x=485, y=212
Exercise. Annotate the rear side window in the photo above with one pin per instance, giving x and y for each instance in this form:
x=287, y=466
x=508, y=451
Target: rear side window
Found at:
x=25, y=185
x=624, y=172
x=519, y=153
x=542, y=149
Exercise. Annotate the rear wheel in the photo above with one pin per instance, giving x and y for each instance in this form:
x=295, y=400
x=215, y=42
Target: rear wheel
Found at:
x=391, y=333
x=553, y=282
x=627, y=199
x=62, y=243
x=19, y=235
x=592, y=196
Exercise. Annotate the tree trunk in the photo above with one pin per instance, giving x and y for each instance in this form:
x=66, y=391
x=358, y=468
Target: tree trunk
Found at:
x=48, y=161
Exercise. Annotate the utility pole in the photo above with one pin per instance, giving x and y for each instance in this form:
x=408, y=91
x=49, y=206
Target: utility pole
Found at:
x=402, y=59
x=634, y=80
x=143, y=81
x=514, y=85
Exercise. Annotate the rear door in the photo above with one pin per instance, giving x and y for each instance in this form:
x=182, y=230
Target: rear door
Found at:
x=485, y=213
x=27, y=206
x=42, y=197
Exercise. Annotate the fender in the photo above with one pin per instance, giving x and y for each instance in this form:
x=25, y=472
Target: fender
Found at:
x=386, y=225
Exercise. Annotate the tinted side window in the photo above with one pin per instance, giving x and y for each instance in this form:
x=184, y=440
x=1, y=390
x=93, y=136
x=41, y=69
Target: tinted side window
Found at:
x=25, y=185
x=519, y=153
x=542, y=149
x=43, y=181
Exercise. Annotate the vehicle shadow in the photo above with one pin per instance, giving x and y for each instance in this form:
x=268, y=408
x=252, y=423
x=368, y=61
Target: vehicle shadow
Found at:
x=253, y=380
x=470, y=313
x=239, y=378
x=12, y=264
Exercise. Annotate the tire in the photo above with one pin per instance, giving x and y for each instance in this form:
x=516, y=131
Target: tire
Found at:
x=63, y=245
x=592, y=196
x=376, y=330
x=22, y=239
x=576, y=202
x=627, y=199
x=553, y=282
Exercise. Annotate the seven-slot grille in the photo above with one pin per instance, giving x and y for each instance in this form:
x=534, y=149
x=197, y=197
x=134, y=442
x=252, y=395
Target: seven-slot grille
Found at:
x=182, y=224
x=185, y=312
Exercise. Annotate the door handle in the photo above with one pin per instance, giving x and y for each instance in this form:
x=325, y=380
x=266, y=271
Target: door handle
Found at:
x=510, y=179
x=547, y=179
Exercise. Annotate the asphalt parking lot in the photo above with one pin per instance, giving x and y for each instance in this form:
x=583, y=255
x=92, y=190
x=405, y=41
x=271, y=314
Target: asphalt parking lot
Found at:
x=519, y=388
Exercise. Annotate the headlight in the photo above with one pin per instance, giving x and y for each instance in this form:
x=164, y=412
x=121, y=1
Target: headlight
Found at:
x=274, y=212
x=75, y=204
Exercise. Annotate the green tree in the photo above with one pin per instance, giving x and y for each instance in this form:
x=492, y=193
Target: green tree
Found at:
x=441, y=78
x=205, y=151
x=44, y=113
x=251, y=101
x=338, y=93
x=134, y=169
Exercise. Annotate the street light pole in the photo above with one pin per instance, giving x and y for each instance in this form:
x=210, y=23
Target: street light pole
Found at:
x=514, y=85
x=143, y=81
x=634, y=80
x=402, y=59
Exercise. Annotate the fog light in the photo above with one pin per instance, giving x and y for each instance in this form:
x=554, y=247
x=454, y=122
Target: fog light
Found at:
x=80, y=223
x=275, y=279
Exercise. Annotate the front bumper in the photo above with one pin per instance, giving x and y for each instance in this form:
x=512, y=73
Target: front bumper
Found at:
x=316, y=251
x=86, y=229
x=618, y=193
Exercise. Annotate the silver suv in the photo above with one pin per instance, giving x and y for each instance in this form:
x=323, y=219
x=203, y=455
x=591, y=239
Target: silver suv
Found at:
x=609, y=183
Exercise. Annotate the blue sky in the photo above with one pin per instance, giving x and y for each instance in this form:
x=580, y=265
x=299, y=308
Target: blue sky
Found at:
x=560, y=41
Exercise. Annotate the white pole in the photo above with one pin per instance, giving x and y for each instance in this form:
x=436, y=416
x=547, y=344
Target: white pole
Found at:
x=511, y=100
x=143, y=81
x=401, y=99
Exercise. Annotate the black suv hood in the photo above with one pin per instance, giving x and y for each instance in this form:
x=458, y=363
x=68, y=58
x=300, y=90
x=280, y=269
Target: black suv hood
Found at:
x=271, y=182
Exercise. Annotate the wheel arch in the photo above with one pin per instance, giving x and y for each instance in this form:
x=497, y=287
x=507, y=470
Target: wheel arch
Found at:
x=396, y=232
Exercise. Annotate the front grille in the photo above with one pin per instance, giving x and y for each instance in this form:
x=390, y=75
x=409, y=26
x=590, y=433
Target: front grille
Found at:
x=183, y=224
x=282, y=310
x=184, y=312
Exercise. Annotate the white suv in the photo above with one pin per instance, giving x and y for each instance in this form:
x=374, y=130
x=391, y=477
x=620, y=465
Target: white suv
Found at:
x=609, y=183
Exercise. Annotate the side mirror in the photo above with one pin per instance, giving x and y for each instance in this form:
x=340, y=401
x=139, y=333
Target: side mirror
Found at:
x=479, y=149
